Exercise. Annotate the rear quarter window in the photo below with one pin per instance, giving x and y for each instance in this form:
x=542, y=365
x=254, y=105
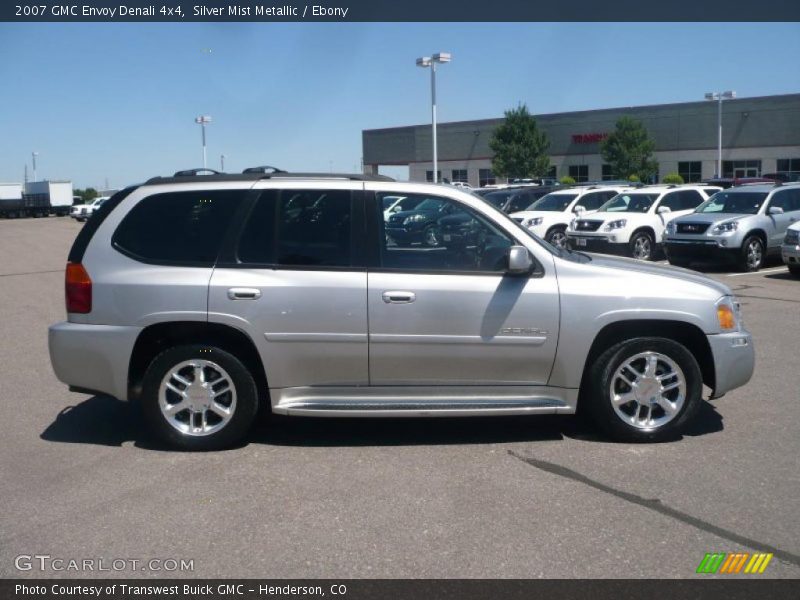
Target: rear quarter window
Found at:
x=178, y=228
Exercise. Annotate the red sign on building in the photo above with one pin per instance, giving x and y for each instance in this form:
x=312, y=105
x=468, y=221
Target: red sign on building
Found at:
x=588, y=138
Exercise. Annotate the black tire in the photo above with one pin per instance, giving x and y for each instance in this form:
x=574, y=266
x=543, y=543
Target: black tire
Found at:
x=642, y=242
x=557, y=237
x=431, y=237
x=244, y=385
x=598, y=391
x=752, y=254
x=795, y=271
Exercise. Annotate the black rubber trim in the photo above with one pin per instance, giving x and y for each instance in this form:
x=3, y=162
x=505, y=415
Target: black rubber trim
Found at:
x=93, y=224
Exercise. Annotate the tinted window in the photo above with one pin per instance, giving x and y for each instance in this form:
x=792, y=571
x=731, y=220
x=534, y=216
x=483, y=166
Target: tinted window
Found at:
x=691, y=199
x=298, y=228
x=553, y=202
x=672, y=201
x=637, y=202
x=182, y=228
x=788, y=200
x=455, y=238
x=594, y=200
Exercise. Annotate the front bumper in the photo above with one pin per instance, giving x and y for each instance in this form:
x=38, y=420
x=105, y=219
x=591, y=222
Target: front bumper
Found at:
x=596, y=243
x=700, y=250
x=734, y=360
x=791, y=255
x=92, y=357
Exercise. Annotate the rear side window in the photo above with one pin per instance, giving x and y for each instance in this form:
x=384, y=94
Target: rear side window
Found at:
x=87, y=232
x=299, y=228
x=178, y=228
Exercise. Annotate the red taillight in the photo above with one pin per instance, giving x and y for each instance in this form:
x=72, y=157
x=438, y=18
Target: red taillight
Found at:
x=78, y=287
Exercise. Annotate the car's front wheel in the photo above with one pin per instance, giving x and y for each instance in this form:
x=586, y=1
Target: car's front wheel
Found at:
x=199, y=397
x=557, y=237
x=642, y=246
x=644, y=389
x=752, y=254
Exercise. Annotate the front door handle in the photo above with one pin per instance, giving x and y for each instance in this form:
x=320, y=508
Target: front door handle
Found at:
x=398, y=297
x=241, y=293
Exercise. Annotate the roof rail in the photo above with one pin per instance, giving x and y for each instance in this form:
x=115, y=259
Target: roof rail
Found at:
x=189, y=175
x=196, y=172
x=264, y=169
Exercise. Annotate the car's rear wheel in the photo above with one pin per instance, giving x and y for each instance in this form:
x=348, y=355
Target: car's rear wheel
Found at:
x=557, y=237
x=199, y=397
x=642, y=246
x=752, y=254
x=644, y=389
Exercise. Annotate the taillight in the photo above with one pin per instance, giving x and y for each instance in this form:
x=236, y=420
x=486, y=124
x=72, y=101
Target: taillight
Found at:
x=78, y=288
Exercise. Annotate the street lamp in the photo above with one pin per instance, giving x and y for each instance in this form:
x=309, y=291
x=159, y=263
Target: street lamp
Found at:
x=430, y=61
x=203, y=120
x=33, y=156
x=222, y=162
x=718, y=97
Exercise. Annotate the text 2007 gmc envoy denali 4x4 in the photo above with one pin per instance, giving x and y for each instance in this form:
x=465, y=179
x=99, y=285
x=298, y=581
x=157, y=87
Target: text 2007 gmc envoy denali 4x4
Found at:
x=205, y=296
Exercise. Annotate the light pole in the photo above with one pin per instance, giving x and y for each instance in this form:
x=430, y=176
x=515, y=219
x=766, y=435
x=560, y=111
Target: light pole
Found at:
x=430, y=61
x=718, y=97
x=33, y=156
x=203, y=120
x=222, y=162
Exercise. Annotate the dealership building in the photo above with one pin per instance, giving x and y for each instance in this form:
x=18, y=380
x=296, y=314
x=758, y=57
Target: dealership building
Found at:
x=759, y=135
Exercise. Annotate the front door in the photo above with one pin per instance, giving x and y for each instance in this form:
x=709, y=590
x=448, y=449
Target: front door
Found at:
x=449, y=315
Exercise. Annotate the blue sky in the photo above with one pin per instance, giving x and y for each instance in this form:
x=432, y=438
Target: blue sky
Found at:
x=117, y=101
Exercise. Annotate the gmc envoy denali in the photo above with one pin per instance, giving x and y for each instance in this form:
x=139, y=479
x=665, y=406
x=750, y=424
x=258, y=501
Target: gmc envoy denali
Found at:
x=203, y=297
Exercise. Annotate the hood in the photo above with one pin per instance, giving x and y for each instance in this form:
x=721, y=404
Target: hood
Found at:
x=638, y=266
x=718, y=217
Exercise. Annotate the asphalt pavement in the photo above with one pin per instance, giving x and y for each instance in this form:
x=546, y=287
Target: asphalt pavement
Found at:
x=523, y=497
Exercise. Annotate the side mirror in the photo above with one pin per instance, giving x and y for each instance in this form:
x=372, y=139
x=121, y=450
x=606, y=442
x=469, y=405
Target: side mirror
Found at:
x=663, y=210
x=579, y=209
x=519, y=261
x=775, y=210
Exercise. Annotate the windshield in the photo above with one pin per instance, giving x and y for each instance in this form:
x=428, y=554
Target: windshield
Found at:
x=553, y=202
x=638, y=203
x=733, y=202
x=431, y=204
x=498, y=199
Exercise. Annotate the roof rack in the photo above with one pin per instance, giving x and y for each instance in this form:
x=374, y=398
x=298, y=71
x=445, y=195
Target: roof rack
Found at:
x=264, y=169
x=186, y=176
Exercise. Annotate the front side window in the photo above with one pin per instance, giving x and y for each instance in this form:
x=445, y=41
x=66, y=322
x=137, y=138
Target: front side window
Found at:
x=594, y=200
x=298, y=228
x=553, y=202
x=178, y=228
x=442, y=235
x=746, y=203
x=638, y=203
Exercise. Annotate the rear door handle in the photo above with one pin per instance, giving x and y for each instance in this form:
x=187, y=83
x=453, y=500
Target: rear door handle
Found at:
x=398, y=297
x=244, y=293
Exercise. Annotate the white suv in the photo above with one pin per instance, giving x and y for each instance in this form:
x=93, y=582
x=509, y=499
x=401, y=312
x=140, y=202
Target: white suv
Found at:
x=633, y=222
x=550, y=215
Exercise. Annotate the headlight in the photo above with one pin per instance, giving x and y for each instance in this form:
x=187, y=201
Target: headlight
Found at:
x=618, y=224
x=670, y=227
x=728, y=314
x=728, y=227
x=533, y=222
x=413, y=219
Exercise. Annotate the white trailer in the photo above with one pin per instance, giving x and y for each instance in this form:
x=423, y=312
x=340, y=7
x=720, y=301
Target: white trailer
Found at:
x=10, y=199
x=42, y=198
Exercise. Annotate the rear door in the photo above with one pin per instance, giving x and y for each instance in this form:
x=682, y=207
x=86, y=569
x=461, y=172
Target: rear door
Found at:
x=449, y=315
x=293, y=279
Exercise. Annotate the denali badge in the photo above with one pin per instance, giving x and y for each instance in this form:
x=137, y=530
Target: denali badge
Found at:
x=524, y=331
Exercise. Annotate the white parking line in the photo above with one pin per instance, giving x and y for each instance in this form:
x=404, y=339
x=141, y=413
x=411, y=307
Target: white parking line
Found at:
x=773, y=270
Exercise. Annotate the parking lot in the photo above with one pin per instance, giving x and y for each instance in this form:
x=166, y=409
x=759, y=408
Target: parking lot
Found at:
x=523, y=497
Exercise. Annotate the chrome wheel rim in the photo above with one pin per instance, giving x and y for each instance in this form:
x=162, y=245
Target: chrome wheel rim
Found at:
x=648, y=390
x=754, y=254
x=558, y=239
x=431, y=237
x=641, y=247
x=197, y=397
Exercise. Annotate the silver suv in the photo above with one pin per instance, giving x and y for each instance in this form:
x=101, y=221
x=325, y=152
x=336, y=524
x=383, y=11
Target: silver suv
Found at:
x=740, y=225
x=206, y=297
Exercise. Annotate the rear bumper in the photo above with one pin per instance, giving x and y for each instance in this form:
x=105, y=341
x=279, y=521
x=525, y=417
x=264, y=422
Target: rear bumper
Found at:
x=92, y=357
x=734, y=360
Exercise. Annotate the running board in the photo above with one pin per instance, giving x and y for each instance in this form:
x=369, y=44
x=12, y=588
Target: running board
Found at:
x=406, y=402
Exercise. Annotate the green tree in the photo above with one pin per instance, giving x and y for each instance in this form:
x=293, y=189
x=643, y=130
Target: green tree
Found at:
x=629, y=150
x=672, y=178
x=87, y=195
x=567, y=180
x=519, y=147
